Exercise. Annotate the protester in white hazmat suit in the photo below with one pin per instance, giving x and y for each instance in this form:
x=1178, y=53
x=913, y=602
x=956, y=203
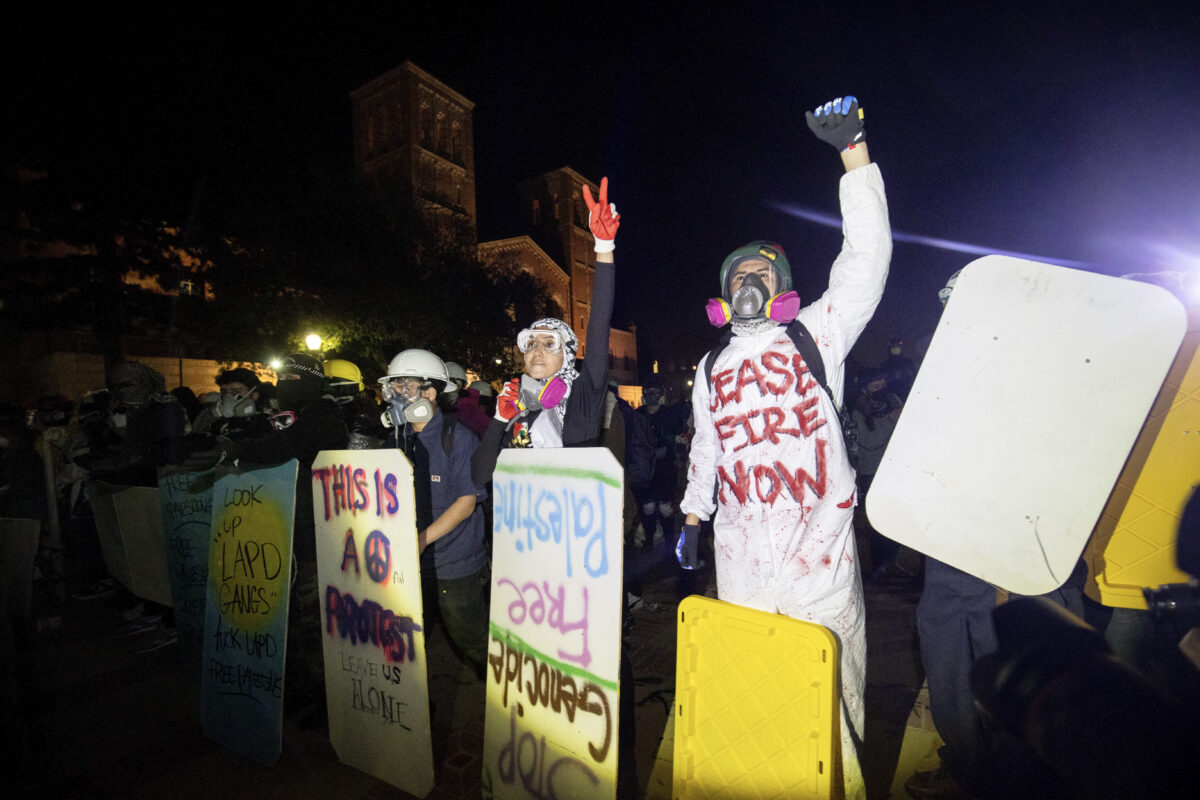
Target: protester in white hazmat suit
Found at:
x=768, y=437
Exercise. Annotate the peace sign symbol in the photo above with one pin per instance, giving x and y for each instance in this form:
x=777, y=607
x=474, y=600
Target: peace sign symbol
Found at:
x=378, y=557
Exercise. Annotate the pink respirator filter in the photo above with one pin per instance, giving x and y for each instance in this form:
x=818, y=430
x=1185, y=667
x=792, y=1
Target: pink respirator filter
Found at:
x=552, y=393
x=783, y=307
x=718, y=312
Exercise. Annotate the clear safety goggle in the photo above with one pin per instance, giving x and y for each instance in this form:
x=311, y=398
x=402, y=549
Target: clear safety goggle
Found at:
x=548, y=341
x=401, y=386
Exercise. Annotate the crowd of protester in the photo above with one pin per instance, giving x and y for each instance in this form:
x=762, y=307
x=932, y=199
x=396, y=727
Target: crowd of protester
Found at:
x=452, y=430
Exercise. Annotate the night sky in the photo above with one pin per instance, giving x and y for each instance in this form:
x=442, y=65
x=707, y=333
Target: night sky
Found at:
x=1062, y=133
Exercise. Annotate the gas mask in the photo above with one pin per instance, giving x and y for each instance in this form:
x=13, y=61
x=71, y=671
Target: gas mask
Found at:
x=535, y=395
x=230, y=406
x=403, y=410
x=750, y=302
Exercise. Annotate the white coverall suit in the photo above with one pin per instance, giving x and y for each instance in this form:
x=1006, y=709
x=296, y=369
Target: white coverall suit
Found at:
x=770, y=439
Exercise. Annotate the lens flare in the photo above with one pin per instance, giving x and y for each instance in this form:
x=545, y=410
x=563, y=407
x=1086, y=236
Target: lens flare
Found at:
x=931, y=241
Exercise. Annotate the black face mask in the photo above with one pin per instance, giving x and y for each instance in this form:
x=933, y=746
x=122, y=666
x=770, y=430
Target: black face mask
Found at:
x=295, y=395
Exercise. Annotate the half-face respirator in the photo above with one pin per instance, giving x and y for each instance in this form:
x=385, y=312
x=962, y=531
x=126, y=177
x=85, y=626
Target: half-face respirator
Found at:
x=232, y=405
x=535, y=395
x=402, y=409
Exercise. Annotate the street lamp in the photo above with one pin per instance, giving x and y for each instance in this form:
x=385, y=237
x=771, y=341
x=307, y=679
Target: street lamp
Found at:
x=312, y=341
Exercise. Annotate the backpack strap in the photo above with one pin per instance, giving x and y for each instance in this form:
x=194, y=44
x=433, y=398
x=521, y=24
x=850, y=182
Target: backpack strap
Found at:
x=805, y=344
x=711, y=358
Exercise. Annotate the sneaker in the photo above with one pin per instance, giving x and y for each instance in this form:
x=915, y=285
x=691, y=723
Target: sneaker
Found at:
x=157, y=641
x=142, y=624
x=936, y=784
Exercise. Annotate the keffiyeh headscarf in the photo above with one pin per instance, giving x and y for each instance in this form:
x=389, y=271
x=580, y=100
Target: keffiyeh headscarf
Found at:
x=567, y=373
x=134, y=385
x=753, y=327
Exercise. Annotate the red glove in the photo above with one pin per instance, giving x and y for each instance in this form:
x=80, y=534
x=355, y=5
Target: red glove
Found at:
x=506, y=403
x=603, y=218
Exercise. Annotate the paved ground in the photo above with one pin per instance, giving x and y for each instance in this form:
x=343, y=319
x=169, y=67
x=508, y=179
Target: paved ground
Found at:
x=101, y=721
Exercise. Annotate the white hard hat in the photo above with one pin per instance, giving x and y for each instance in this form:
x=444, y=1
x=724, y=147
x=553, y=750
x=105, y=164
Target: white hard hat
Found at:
x=456, y=373
x=416, y=364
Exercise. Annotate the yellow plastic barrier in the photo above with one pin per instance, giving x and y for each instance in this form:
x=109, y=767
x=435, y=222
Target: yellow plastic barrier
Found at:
x=1133, y=544
x=756, y=704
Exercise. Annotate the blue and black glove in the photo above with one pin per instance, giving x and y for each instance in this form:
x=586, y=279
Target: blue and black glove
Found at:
x=839, y=122
x=687, y=549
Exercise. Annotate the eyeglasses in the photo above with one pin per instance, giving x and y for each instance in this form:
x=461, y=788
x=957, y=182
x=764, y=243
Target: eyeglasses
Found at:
x=548, y=341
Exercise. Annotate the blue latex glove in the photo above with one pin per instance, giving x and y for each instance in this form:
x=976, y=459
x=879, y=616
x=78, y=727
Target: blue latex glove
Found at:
x=688, y=547
x=839, y=122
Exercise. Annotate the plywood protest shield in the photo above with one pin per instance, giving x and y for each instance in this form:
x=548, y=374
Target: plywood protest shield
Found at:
x=245, y=631
x=555, y=625
x=1034, y=388
x=129, y=526
x=185, y=502
x=373, y=629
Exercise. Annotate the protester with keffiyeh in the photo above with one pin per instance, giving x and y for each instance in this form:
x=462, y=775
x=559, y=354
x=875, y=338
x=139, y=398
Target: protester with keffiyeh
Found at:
x=553, y=404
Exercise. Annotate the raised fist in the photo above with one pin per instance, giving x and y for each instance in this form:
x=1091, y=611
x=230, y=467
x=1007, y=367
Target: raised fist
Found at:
x=839, y=122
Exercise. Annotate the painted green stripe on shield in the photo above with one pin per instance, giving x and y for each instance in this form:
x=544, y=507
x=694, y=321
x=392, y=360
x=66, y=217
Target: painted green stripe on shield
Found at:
x=510, y=639
x=560, y=472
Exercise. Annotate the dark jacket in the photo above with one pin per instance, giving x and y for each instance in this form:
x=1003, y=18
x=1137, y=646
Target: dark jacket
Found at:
x=585, y=404
x=439, y=479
